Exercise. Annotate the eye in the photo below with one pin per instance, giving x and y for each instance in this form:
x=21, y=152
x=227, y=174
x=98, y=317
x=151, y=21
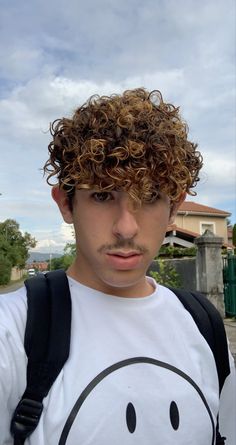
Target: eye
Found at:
x=174, y=415
x=102, y=196
x=131, y=417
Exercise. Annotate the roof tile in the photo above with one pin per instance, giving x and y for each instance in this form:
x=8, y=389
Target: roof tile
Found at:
x=193, y=207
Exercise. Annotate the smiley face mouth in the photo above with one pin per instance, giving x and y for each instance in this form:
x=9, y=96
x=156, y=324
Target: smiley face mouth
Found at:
x=131, y=414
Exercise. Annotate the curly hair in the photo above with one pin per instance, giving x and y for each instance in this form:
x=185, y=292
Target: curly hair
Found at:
x=133, y=142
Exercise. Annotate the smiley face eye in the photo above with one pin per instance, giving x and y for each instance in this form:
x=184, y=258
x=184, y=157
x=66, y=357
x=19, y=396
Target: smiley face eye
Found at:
x=131, y=417
x=174, y=415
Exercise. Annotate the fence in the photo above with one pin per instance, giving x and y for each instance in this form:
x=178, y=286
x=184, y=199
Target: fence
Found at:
x=229, y=278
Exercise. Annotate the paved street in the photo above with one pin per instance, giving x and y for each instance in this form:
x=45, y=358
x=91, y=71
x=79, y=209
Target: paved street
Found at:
x=11, y=287
x=230, y=327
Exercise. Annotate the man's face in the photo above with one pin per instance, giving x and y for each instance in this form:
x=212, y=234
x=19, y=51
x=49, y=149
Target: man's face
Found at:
x=116, y=241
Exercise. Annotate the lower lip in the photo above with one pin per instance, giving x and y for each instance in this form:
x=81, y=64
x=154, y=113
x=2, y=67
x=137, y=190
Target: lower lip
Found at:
x=124, y=263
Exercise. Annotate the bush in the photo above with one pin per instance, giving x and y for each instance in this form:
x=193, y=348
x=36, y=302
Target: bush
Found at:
x=234, y=238
x=166, y=275
x=5, y=270
x=177, y=252
x=62, y=262
x=65, y=260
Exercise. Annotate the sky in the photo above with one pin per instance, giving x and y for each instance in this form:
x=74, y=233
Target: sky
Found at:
x=55, y=54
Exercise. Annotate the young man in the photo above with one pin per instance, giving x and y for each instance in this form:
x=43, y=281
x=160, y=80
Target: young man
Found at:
x=139, y=371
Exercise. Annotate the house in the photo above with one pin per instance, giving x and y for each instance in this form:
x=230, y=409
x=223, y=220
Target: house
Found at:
x=41, y=266
x=175, y=236
x=192, y=220
x=230, y=235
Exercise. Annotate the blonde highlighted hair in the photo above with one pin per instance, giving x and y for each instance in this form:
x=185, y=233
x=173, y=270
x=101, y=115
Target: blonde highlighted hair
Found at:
x=133, y=142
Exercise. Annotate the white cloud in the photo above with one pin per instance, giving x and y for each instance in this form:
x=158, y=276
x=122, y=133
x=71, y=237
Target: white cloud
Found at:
x=45, y=245
x=220, y=170
x=67, y=232
x=54, y=241
x=28, y=109
x=20, y=62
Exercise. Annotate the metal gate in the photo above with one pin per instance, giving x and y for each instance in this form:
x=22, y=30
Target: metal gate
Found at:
x=229, y=278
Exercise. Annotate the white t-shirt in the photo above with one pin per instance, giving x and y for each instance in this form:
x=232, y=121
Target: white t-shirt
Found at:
x=139, y=373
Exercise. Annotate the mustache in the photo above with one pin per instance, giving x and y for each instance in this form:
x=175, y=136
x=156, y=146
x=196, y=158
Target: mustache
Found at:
x=122, y=244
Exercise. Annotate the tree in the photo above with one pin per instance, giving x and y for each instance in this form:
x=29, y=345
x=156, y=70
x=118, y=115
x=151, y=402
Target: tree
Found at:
x=166, y=275
x=65, y=260
x=176, y=252
x=70, y=249
x=234, y=237
x=5, y=270
x=14, y=246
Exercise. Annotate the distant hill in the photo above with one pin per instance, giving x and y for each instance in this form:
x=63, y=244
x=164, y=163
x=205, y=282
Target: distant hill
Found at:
x=38, y=256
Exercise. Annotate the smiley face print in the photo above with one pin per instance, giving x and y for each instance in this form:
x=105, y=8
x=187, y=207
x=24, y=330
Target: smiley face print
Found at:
x=140, y=401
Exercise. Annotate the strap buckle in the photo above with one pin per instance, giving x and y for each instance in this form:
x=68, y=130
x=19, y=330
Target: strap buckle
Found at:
x=26, y=418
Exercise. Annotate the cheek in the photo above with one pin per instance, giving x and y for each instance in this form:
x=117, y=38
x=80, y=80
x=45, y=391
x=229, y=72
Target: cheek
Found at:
x=156, y=224
x=89, y=233
x=155, y=231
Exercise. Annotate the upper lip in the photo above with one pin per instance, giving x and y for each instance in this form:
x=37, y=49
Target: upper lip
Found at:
x=123, y=253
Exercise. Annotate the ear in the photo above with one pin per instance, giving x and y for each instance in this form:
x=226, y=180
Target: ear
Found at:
x=60, y=197
x=175, y=206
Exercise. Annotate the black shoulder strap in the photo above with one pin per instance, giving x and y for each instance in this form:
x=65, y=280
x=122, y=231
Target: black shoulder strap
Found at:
x=47, y=344
x=211, y=326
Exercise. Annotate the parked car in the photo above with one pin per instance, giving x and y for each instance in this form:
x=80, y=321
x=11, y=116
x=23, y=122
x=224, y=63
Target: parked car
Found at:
x=31, y=272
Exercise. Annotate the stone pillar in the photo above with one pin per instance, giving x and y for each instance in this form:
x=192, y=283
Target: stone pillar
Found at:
x=209, y=274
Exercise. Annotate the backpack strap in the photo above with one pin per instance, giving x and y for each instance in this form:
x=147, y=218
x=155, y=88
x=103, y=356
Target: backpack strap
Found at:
x=47, y=344
x=211, y=326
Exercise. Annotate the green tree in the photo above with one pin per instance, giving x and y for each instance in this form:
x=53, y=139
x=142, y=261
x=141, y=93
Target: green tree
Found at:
x=70, y=249
x=176, y=252
x=234, y=237
x=166, y=274
x=14, y=246
x=65, y=260
x=5, y=270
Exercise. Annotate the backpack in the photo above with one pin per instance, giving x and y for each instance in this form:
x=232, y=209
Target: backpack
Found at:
x=47, y=349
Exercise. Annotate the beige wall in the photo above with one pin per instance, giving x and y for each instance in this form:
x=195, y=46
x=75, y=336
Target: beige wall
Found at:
x=16, y=274
x=195, y=223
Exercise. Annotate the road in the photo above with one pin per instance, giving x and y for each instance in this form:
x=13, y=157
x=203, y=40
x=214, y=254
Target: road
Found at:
x=11, y=287
x=230, y=327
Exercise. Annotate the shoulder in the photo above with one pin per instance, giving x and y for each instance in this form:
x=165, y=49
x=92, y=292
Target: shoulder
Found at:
x=13, y=312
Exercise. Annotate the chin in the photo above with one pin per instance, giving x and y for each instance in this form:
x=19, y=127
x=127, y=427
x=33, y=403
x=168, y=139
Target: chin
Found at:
x=124, y=284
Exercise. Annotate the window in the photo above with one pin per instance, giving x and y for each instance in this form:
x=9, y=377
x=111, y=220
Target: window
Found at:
x=207, y=226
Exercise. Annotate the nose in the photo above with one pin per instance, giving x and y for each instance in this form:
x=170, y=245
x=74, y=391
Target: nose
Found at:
x=125, y=225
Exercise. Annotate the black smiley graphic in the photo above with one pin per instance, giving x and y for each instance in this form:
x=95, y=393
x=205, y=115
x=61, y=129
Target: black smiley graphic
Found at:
x=131, y=416
x=166, y=384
